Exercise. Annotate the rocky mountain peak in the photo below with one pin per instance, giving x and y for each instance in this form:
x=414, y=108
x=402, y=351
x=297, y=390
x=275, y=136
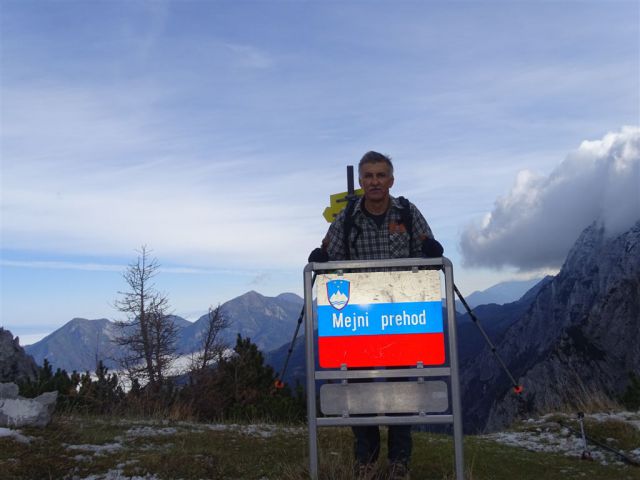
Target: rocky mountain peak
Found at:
x=15, y=364
x=252, y=295
x=588, y=243
x=578, y=338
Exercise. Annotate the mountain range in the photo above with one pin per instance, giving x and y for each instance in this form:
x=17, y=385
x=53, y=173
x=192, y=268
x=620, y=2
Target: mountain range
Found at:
x=499, y=294
x=268, y=321
x=80, y=343
x=575, y=343
x=494, y=319
x=568, y=339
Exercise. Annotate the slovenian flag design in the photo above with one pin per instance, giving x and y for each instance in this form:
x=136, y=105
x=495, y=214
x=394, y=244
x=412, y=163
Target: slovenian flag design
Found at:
x=380, y=319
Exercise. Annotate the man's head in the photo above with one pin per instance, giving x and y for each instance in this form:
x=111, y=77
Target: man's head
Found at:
x=374, y=157
x=375, y=172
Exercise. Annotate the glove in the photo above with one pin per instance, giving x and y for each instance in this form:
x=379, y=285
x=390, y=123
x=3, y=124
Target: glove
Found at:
x=318, y=255
x=431, y=248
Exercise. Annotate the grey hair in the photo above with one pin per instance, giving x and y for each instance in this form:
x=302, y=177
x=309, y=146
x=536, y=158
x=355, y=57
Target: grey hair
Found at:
x=374, y=157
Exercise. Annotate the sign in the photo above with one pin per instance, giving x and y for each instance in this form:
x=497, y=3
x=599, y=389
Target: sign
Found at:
x=380, y=319
x=380, y=398
x=337, y=202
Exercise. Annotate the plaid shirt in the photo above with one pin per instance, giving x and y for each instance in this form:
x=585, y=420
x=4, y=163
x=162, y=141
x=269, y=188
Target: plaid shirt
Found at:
x=370, y=242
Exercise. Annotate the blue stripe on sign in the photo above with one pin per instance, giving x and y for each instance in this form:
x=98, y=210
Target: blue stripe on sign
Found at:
x=380, y=319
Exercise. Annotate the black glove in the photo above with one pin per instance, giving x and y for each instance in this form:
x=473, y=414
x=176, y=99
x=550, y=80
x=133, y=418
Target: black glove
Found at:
x=431, y=248
x=318, y=255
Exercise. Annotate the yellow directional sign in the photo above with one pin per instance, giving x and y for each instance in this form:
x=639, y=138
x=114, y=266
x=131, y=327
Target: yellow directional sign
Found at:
x=337, y=202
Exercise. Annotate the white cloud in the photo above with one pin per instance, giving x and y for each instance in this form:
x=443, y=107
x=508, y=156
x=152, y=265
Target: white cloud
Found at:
x=536, y=223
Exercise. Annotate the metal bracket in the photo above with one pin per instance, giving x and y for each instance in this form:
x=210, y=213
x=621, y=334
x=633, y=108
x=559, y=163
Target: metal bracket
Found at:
x=343, y=368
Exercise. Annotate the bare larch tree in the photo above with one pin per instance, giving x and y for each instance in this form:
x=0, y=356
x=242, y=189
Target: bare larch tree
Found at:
x=211, y=346
x=149, y=334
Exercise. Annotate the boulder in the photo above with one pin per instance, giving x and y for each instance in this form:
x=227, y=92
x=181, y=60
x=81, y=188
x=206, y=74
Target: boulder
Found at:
x=16, y=411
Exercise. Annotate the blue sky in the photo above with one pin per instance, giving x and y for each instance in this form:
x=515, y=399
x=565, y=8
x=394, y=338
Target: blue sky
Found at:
x=215, y=131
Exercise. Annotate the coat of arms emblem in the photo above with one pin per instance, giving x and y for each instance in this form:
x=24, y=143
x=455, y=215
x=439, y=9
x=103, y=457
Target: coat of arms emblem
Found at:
x=338, y=293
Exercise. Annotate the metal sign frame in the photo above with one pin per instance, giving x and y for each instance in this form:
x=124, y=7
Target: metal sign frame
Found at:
x=418, y=371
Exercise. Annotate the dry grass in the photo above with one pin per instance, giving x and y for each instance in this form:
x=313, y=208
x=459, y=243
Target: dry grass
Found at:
x=75, y=447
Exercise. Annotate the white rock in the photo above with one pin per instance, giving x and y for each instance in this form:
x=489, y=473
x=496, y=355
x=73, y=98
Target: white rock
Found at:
x=20, y=412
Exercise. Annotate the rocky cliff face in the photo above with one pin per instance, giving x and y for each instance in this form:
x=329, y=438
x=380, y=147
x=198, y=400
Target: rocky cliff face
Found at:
x=577, y=340
x=15, y=364
x=495, y=320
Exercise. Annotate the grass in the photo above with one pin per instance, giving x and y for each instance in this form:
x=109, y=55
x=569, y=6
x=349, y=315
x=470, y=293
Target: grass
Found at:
x=80, y=447
x=617, y=434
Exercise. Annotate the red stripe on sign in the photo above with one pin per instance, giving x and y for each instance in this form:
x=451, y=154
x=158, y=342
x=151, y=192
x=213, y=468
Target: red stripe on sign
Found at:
x=381, y=350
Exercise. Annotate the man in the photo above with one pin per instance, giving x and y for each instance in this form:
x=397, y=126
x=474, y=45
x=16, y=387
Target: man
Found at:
x=376, y=231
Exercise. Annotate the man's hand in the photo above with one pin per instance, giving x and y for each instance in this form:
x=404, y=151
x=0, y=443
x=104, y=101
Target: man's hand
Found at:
x=318, y=255
x=431, y=248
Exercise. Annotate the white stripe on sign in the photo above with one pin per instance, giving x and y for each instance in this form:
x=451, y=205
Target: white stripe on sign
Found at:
x=383, y=287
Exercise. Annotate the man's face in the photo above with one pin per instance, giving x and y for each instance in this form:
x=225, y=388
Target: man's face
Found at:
x=376, y=180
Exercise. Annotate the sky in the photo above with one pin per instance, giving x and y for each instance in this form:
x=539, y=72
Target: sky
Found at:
x=214, y=132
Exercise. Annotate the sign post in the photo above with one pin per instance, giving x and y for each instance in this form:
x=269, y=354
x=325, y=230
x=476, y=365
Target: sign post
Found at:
x=338, y=201
x=376, y=314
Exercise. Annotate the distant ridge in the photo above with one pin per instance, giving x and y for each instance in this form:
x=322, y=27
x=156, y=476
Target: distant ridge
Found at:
x=500, y=293
x=290, y=297
x=80, y=343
